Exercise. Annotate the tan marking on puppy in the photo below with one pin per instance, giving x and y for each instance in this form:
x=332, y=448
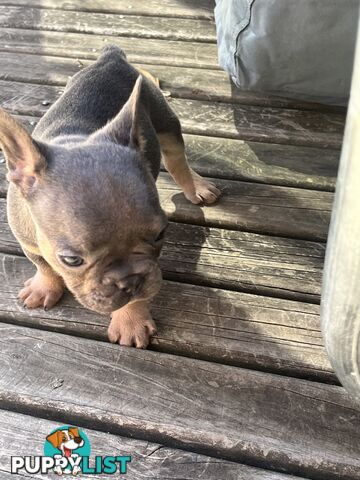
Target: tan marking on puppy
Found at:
x=148, y=75
x=42, y=290
x=195, y=188
x=132, y=325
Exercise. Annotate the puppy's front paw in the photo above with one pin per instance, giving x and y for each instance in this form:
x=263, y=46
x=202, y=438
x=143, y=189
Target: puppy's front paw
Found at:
x=41, y=291
x=132, y=326
x=199, y=190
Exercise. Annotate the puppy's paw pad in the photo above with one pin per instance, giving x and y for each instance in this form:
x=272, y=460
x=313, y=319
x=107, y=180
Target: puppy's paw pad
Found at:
x=131, y=332
x=39, y=291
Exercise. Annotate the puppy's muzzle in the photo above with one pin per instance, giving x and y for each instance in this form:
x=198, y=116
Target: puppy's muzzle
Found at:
x=122, y=284
x=129, y=285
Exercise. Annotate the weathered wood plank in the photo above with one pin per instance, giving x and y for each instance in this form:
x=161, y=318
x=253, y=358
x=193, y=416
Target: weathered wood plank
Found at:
x=88, y=46
x=242, y=261
x=187, y=30
x=261, y=124
x=23, y=435
x=181, y=82
x=300, y=427
x=282, y=211
x=286, y=165
x=289, y=212
x=279, y=210
x=203, y=9
x=233, y=328
x=283, y=126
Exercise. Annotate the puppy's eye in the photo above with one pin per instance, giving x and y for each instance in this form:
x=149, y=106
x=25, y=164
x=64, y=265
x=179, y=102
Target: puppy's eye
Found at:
x=71, y=261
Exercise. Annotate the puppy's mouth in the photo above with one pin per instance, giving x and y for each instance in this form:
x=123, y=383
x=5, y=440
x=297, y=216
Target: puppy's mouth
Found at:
x=104, y=302
x=104, y=305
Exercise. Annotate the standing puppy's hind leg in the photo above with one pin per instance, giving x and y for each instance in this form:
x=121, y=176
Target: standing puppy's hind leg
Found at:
x=195, y=188
x=168, y=131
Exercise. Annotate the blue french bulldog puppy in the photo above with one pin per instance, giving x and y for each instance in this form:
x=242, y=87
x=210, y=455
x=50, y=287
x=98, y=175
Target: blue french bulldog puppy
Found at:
x=82, y=198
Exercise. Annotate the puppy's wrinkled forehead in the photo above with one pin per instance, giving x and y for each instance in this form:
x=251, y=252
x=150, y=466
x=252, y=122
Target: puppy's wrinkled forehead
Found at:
x=98, y=192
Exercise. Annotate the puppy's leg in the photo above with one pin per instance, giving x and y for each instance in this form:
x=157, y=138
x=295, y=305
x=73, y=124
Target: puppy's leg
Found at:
x=132, y=325
x=168, y=130
x=195, y=188
x=44, y=289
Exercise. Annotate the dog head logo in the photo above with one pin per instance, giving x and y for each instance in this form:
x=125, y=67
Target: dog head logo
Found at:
x=67, y=445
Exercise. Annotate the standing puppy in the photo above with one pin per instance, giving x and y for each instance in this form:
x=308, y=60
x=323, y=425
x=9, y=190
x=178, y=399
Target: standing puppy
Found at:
x=82, y=199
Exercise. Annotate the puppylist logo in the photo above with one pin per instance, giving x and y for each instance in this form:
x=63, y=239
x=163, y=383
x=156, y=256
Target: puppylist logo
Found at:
x=67, y=451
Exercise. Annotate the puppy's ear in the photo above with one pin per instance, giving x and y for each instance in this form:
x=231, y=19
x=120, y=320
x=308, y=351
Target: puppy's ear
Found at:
x=55, y=438
x=124, y=129
x=23, y=157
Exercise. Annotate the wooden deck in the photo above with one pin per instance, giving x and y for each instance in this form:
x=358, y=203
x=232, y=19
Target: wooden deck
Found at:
x=237, y=384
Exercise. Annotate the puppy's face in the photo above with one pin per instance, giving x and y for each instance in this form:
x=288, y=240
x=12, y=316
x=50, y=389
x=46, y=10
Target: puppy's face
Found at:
x=94, y=205
x=99, y=224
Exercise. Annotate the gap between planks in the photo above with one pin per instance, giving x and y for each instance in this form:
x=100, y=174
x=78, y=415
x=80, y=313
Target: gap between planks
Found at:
x=252, y=207
x=180, y=80
x=235, y=260
x=259, y=124
x=264, y=420
x=232, y=328
x=186, y=30
x=239, y=261
x=281, y=165
x=22, y=435
x=201, y=9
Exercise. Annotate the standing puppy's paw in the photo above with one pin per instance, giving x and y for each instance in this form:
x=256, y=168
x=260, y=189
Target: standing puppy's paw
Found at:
x=199, y=190
x=41, y=291
x=132, y=326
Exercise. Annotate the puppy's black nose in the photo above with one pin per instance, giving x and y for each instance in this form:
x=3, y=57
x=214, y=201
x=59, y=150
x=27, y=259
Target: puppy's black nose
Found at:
x=131, y=284
x=78, y=440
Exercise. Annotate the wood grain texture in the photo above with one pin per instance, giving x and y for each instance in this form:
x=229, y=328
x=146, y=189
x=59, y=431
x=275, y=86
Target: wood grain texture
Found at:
x=285, y=165
x=275, y=210
x=88, y=46
x=23, y=435
x=284, y=268
x=301, y=427
x=233, y=328
x=203, y=9
x=260, y=124
x=108, y=24
x=283, y=126
x=180, y=82
x=204, y=84
x=281, y=211
x=243, y=261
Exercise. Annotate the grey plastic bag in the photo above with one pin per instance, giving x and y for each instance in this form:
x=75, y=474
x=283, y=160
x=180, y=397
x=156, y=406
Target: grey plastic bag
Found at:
x=295, y=48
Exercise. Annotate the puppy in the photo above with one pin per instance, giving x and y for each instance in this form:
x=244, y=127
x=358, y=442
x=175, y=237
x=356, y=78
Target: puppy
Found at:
x=82, y=199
